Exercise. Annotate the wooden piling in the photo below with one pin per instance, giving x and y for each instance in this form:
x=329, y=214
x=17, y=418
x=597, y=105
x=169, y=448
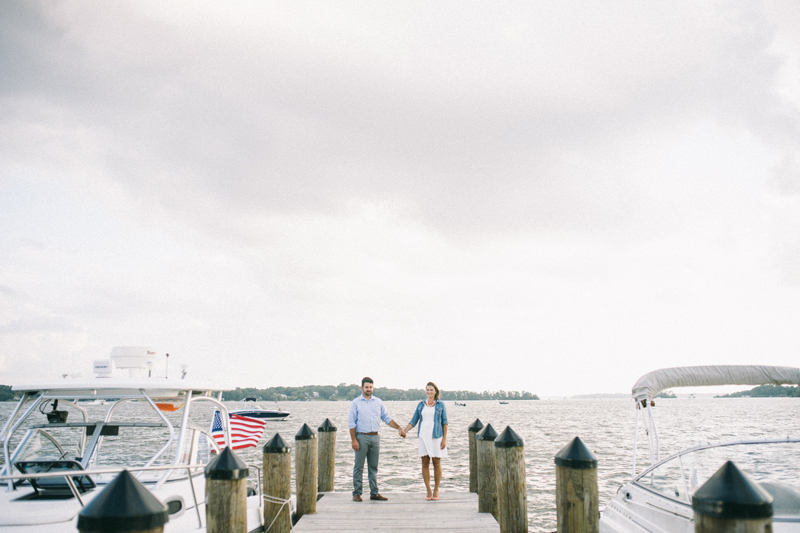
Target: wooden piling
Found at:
x=731, y=502
x=226, y=494
x=577, y=502
x=486, y=472
x=326, y=458
x=512, y=495
x=305, y=468
x=124, y=505
x=277, y=473
x=474, y=428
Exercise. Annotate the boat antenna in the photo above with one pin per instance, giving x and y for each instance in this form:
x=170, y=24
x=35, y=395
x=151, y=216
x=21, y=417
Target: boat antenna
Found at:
x=166, y=372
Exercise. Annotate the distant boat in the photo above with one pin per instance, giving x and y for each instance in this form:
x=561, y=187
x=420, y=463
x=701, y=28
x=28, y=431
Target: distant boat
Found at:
x=461, y=404
x=256, y=411
x=96, y=401
x=503, y=403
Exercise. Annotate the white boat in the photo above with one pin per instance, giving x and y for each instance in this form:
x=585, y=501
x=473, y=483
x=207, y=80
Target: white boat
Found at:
x=659, y=498
x=165, y=453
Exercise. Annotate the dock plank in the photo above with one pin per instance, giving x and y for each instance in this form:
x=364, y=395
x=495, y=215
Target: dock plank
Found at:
x=455, y=512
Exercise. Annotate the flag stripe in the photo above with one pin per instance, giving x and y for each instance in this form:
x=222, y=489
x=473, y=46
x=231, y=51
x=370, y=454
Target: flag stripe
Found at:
x=245, y=431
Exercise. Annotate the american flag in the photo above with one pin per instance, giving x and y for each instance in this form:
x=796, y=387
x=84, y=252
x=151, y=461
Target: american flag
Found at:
x=245, y=431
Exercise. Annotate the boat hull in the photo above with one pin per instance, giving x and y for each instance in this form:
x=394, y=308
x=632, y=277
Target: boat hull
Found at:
x=61, y=516
x=636, y=509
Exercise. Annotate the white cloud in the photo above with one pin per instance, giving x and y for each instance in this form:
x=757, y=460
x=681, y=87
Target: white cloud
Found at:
x=527, y=197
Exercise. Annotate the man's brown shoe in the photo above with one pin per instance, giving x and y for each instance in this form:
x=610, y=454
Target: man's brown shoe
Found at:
x=378, y=497
x=357, y=498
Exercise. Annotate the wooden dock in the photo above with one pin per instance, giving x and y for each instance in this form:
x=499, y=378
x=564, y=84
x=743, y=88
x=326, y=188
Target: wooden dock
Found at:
x=454, y=512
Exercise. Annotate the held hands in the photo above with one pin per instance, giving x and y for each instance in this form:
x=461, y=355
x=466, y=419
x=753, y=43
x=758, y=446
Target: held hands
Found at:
x=402, y=432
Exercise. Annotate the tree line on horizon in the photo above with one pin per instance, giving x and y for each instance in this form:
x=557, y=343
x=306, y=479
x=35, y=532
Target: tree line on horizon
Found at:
x=766, y=391
x=347, y=392
x=350, y=392
x=6, y=394
x=340, y=392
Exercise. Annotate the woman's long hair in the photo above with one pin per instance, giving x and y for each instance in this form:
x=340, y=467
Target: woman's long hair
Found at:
x=432, y=384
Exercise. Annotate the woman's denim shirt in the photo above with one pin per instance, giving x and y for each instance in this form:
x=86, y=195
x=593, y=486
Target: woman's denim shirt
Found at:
x=439, y=418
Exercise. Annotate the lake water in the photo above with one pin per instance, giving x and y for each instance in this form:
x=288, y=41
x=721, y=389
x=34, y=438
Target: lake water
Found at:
x=546, y=426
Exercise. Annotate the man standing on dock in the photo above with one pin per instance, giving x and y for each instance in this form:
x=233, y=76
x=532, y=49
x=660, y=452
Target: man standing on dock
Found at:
x=364, y=421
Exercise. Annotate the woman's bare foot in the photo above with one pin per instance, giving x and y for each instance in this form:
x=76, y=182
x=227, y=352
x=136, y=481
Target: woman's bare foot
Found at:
x=429, y=496
x=435, y=494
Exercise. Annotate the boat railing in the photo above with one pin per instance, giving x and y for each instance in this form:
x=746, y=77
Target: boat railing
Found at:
x=14, y=422
x=192, y=470
x=684, y=475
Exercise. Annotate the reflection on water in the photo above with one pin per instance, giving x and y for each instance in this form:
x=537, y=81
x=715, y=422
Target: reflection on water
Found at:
x=605, y=426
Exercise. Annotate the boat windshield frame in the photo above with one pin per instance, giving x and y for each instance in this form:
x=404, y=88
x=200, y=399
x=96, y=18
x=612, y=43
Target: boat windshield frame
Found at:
x=710, y=445
x=641, y=479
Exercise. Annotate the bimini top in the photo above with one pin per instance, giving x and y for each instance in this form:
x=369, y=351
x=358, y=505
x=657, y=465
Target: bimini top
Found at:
x=699, y=376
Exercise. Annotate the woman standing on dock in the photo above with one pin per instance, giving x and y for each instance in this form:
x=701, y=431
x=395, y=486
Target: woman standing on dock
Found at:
x=432, y=437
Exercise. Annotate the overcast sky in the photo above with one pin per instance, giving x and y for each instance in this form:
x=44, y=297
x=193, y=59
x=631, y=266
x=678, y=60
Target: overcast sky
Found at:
x=555, y=198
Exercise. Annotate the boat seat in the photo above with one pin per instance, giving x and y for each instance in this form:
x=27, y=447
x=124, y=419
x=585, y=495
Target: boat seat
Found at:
x=54, y=486
x=785, y=499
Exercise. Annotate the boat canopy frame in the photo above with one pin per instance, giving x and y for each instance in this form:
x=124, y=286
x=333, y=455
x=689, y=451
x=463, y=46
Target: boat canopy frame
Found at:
x=41, y=397
x=649, y=385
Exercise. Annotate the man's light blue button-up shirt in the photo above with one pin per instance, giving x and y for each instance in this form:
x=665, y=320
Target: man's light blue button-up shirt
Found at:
x=366, y=415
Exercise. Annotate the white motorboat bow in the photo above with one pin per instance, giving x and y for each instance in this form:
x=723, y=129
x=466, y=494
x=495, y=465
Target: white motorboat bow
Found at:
x=146, y=427
x=254, y=410
x=659, y=498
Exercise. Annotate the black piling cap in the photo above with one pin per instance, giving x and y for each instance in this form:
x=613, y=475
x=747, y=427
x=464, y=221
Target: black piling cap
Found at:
x=124, y=505
x=577, y=456
x=508, y=439
x=305, y=433
x=487, y=433
x=276, y=445
x=326, y=426
x=730, y=493
x=476, y=426
x=227, y=466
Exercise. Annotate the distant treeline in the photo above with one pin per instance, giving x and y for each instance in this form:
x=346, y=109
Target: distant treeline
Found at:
x=342, y=392
x=349, y=392
x=766, y=391
x=5, y=393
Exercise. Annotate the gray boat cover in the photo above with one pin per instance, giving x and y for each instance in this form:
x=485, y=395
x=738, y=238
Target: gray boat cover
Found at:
x=698, y=376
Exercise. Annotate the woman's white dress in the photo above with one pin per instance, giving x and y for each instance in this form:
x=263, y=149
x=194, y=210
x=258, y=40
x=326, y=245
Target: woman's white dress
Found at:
x=427, y=444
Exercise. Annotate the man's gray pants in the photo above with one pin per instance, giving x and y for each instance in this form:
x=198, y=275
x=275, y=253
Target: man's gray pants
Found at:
x=369, y=447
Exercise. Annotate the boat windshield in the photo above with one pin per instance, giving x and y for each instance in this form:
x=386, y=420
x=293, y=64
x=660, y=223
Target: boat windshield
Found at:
x=679, y=476
x=54, y=444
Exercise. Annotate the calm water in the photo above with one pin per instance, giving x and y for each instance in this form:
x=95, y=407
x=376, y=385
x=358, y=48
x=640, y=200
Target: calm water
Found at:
x=546, y=426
